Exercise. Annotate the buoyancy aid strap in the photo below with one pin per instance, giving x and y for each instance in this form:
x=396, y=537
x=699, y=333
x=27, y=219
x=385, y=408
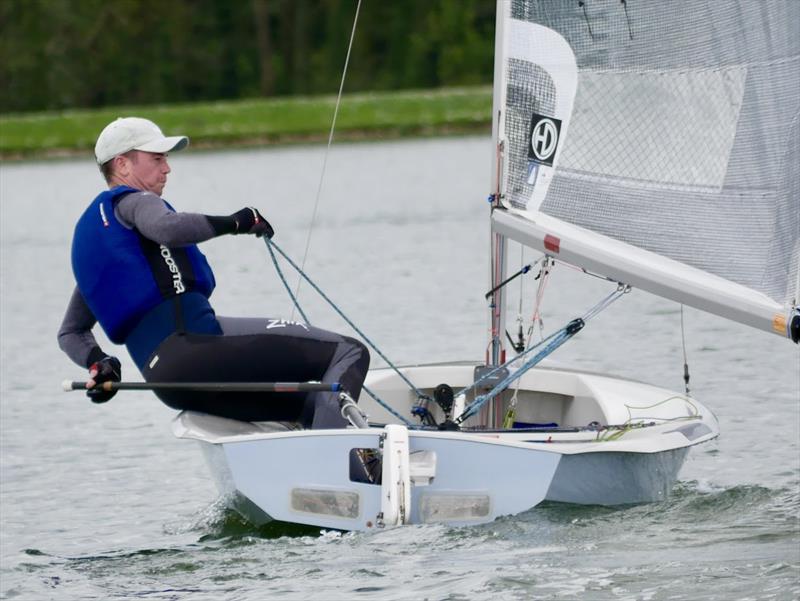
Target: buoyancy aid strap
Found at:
x=180, y=322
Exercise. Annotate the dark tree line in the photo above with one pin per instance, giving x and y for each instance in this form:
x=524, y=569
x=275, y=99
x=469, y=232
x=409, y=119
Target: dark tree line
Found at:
x=57, y=54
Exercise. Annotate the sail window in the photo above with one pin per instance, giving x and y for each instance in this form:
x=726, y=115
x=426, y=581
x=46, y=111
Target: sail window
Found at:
x=667, y=128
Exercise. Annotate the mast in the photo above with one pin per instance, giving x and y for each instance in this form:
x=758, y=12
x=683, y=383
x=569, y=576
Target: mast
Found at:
x=497, y=267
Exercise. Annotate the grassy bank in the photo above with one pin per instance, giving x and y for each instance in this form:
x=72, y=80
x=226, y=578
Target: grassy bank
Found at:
x=261, y=121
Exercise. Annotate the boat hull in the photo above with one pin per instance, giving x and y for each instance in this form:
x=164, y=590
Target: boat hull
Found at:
x=616, y=478
x=271, y=472
x=304, y=477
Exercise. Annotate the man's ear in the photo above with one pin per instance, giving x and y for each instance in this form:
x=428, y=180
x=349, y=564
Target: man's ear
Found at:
x=122, y=165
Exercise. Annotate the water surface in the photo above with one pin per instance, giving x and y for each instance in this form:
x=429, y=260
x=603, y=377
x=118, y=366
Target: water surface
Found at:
x=101, y=502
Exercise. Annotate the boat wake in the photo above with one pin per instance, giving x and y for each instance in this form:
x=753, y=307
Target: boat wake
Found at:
x=220, y=522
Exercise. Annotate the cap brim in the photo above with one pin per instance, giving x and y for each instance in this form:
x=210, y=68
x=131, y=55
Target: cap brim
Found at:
x=163, y=145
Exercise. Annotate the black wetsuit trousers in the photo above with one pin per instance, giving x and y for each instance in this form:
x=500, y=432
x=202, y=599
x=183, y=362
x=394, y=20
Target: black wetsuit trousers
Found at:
x=261, y=350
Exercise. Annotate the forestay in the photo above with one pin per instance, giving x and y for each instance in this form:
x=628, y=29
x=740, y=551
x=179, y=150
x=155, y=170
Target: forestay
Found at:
x=675, y=166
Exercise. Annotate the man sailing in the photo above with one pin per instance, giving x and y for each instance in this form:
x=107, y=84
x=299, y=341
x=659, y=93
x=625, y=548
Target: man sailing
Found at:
x=140, y=274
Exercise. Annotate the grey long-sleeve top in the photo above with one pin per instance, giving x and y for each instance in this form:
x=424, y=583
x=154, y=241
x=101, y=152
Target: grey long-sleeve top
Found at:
x=147, y=213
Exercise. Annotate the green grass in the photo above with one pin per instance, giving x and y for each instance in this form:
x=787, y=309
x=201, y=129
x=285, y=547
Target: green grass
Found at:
x=258, y=121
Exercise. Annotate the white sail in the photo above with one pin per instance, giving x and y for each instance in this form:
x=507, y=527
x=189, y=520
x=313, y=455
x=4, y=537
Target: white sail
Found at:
x=679, y=173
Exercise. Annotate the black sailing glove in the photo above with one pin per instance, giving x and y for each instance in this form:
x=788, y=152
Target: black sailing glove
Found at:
x=250, y=221
x=105, y=370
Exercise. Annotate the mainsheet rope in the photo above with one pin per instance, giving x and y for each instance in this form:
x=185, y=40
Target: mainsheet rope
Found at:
x=551, y=343
x=270, y=246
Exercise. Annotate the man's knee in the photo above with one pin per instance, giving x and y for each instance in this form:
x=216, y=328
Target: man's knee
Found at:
x=360, y=348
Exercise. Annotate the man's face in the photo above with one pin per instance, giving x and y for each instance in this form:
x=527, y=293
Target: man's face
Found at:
x=145, y=170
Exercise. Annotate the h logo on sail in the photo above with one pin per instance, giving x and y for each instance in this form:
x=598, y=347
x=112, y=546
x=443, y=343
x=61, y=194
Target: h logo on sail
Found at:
x=543, y=139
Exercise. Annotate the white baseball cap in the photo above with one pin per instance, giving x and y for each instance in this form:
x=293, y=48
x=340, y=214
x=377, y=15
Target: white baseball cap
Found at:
x=134, y=133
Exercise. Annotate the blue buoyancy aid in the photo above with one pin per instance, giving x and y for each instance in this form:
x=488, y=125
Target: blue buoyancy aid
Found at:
x=122, y=275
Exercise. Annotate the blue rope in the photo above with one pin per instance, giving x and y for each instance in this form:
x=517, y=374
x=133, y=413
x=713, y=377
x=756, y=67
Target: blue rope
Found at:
x=555, y=341
x=285, y=283
x=621, y=289
x=514, y=359
x=270, y=244
x=386, y=406
x=552, y=342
